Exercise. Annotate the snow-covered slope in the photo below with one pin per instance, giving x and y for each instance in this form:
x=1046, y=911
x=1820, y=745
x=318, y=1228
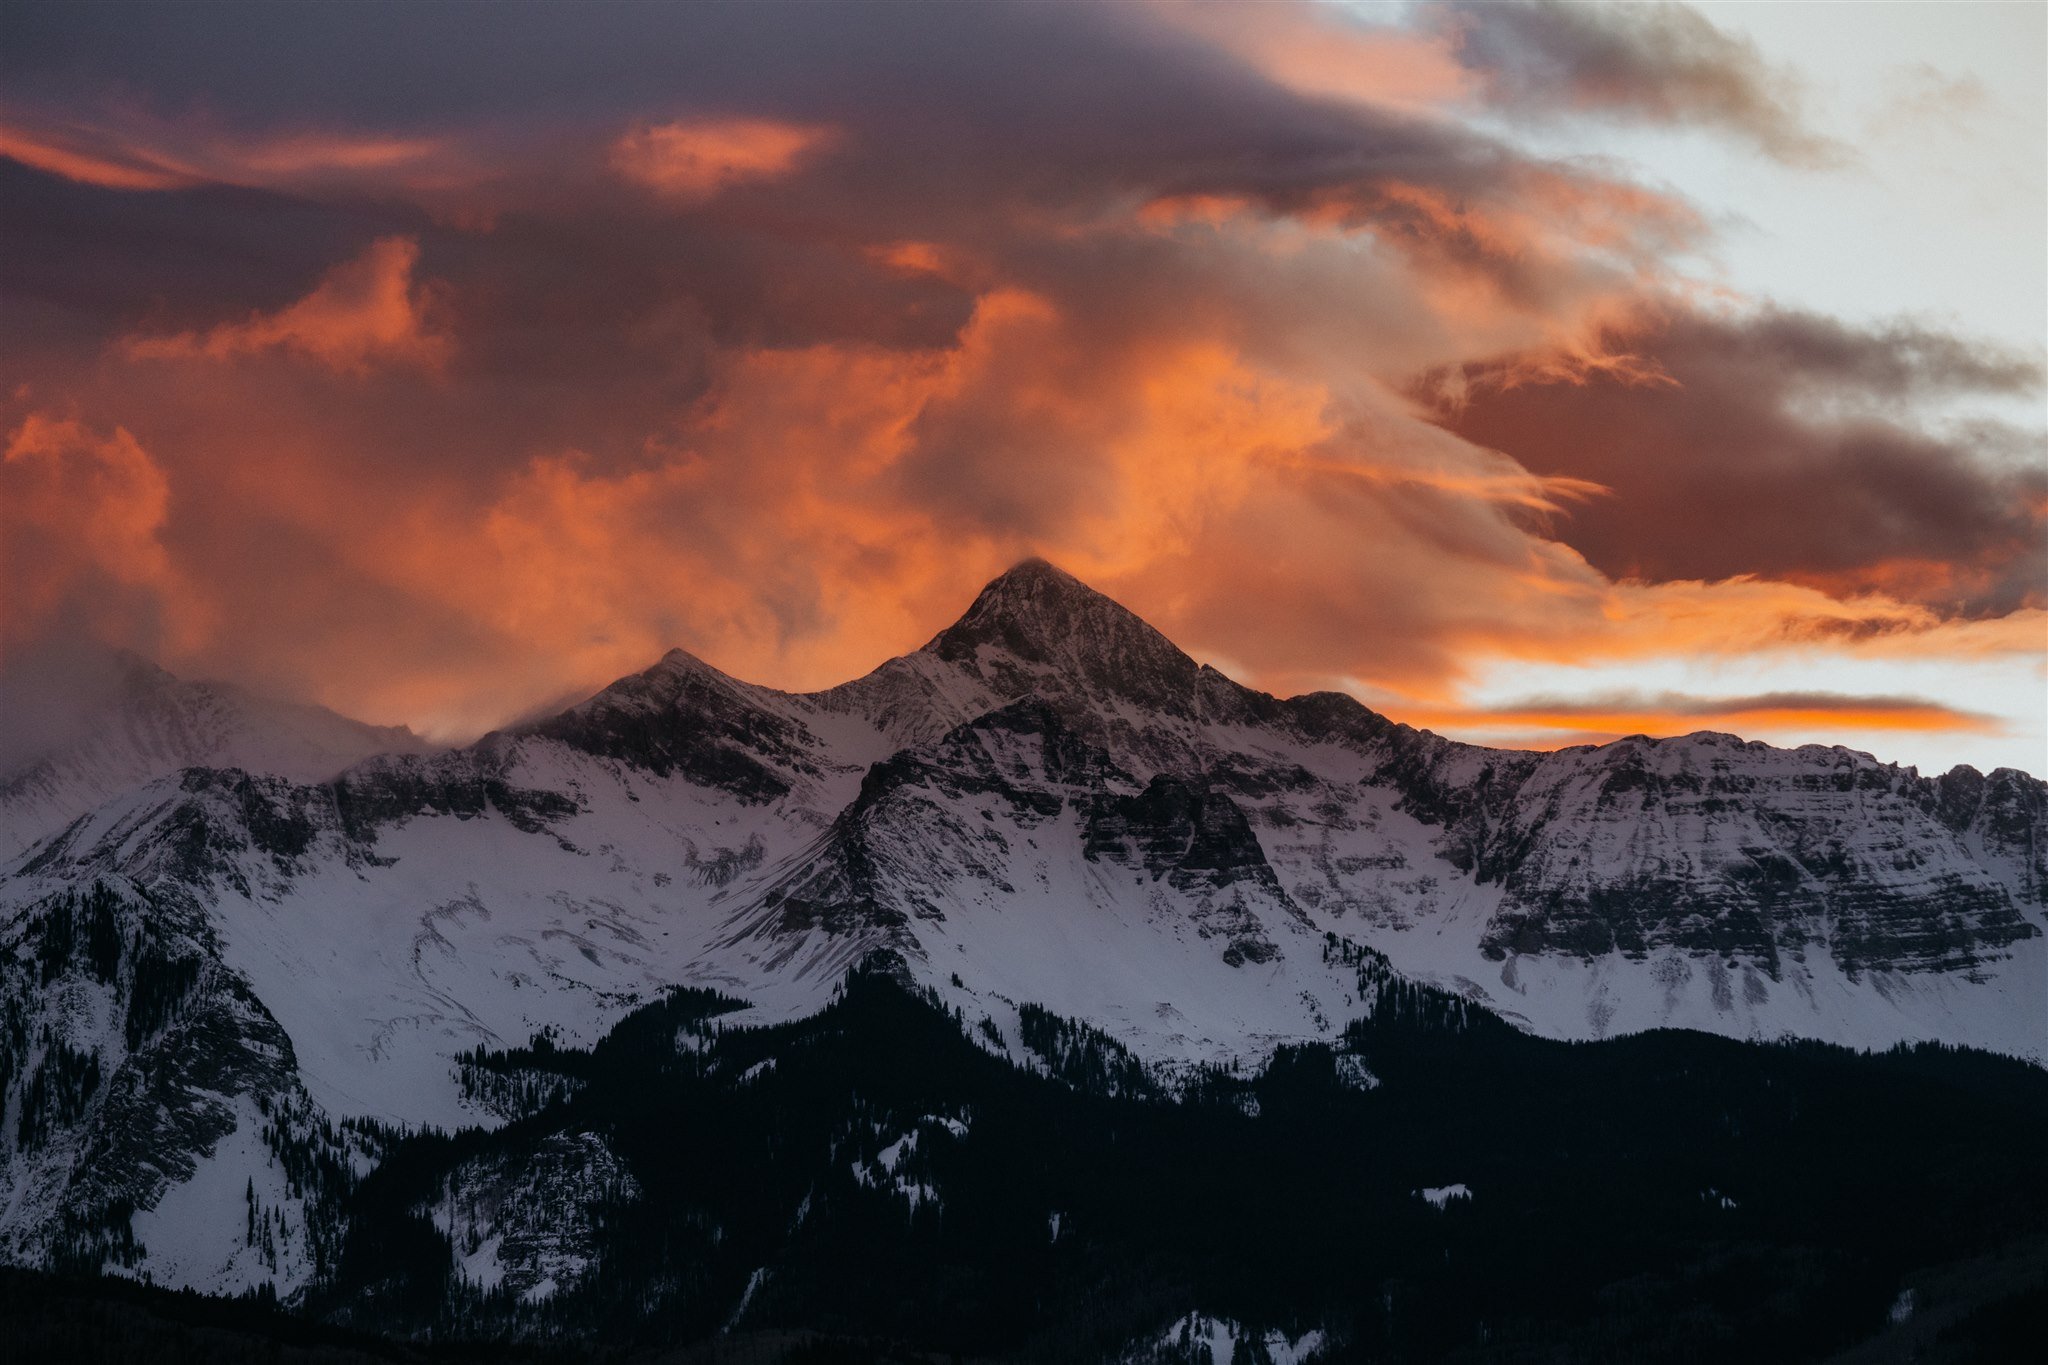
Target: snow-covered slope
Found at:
x=1049, y=803
x=132, y=721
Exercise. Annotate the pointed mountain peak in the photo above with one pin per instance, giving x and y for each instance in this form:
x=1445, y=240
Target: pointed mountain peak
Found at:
x=658, y=686
x=1034, y=610
x=1034, y=587
x=1062, y=630
x=1036, y=572
x=680, y=660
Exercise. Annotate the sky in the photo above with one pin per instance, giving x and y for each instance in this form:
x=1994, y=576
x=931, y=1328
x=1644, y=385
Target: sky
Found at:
x=1540, y=374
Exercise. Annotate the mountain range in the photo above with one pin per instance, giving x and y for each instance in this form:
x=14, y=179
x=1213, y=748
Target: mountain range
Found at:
x=249, y=951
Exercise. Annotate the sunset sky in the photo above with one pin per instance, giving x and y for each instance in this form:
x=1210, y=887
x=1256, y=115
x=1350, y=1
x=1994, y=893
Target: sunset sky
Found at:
x=1538, y=374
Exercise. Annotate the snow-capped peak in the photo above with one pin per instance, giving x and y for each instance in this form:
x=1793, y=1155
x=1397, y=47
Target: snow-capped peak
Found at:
x=1037, y=624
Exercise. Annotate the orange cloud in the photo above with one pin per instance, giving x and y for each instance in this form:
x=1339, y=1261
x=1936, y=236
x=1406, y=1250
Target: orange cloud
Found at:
x=83, y=516
x=1562, y=721
x=137, y=152
x=1530, y=219
x=1913, y=578
x=1318, y=50
x=365, y=312
x=109, y=168
x=1558, y=611
x=570, y=573
x=1749, y=615
x=823, y=506
x=692, y=160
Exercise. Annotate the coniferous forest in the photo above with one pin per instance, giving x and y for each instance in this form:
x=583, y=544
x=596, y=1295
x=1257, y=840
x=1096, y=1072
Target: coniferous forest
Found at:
x=884, y=1182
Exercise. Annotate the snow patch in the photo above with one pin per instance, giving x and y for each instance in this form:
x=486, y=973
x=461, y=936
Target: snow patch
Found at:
x=1195, y=1335
x=233, y=1226
x=754, y=1282
x=1440, y=1196
x=1353, y=1074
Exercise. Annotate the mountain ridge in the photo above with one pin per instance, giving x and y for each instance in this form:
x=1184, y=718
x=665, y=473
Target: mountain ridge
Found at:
x=1149, y=849
x=131, y=721
x=1021, y=607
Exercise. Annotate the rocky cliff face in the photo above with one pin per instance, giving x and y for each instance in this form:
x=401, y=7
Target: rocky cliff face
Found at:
x=144, y=1081
x=1039, y=629
x=1710, y=845
x=1048, y=808
x=684, y=717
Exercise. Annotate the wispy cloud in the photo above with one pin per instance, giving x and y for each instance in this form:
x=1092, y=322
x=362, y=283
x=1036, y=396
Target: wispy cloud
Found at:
x=124, y=149
x=364, y=312
x=694, y=159
x=1661, y=62
x=1570, y=720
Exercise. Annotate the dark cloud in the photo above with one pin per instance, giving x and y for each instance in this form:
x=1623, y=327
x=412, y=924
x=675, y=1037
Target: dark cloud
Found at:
x=1776, y=444
x=1661, y=62
x=1899, y=360
x=106, y=261
x=970, y=112
x=591, y=314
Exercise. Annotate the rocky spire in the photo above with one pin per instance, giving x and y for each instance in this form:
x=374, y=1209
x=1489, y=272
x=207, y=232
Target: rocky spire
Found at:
x=1041, y=620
